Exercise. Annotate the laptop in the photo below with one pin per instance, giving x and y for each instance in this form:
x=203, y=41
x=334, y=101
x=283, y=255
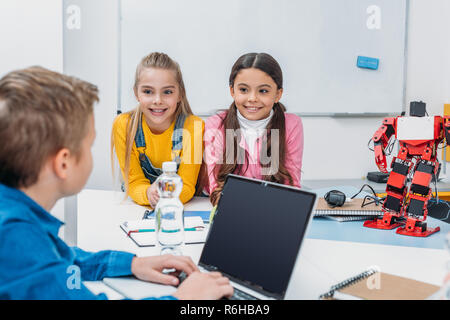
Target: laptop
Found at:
x=256, y=236
x=254, y=240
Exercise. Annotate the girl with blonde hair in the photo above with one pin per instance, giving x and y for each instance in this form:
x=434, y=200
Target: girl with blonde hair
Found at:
x=161, y=128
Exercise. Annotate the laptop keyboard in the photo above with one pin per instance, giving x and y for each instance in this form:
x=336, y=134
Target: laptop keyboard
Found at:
x=237, y=294
x=240, y=295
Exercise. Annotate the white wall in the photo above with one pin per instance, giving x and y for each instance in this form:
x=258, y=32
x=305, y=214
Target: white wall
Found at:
x=429, y=53
x=90, y=53
x=31, y=34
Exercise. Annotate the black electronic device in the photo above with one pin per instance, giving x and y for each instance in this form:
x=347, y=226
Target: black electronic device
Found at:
x=435, y=178
x=417, y=109
x=439, y=209
x=335, y=198
x=256, y=235
x=379, y=177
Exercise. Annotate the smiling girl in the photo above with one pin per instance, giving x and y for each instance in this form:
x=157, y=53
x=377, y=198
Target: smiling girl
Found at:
x=255, y=137
x=161, y=128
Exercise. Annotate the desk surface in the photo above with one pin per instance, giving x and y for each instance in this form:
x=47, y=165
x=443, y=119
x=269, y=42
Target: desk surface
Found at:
x=330, y=253
x=355, y=232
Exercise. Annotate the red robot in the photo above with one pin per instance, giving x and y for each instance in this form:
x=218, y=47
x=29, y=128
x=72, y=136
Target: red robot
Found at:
x=418, y=137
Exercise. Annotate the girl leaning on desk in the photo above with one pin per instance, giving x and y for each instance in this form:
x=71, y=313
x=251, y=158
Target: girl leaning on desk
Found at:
x=149, y=135
x=268, y=140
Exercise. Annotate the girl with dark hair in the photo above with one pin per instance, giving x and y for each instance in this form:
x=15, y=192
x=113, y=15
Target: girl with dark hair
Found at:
x=255, y=137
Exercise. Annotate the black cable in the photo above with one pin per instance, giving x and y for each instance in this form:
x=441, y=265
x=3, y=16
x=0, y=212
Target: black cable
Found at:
x=376, y=200
x=390, y=146
x=365, y=185
x=388, y=149
x=435, y=188
x=368, y=145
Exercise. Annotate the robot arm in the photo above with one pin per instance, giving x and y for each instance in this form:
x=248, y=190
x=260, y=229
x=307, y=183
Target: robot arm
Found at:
x=381, y=140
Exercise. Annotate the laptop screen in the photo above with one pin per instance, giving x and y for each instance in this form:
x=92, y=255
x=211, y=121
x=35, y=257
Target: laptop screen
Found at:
x=257, y=232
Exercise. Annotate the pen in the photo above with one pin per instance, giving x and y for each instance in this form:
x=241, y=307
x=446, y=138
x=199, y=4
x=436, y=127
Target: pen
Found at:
x=141, y=230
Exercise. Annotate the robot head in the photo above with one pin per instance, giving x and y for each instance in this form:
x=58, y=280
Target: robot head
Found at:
x=417, y=109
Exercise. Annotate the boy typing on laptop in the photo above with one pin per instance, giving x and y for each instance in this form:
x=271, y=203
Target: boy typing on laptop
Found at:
x=46, y=134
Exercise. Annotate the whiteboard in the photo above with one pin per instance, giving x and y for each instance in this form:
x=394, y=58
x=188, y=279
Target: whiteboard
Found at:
x=316, y=42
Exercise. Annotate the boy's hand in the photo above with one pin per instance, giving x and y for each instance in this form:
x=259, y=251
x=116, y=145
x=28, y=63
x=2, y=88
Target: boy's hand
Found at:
x=150, y=268
x=153, y=195
x=204, y=286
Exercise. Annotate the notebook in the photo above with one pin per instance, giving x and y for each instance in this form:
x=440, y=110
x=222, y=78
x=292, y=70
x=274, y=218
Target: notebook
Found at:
x=352, y=208
x=204, y=214
x=142, y=232
x=345, y=218
x=257, y=234
x=375, y=285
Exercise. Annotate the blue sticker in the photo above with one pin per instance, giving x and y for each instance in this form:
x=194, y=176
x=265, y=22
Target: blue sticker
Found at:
x=367, y=63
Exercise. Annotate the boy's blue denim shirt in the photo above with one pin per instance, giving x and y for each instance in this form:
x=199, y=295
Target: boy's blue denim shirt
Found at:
x=36, y=264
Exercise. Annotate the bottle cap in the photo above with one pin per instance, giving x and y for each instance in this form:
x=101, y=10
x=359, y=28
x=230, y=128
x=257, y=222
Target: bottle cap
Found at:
x=169, y=166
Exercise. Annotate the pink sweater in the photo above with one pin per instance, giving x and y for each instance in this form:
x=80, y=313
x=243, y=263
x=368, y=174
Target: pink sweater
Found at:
x=214, y=147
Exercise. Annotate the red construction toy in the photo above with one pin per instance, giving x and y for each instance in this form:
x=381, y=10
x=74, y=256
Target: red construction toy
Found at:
x=419, y=137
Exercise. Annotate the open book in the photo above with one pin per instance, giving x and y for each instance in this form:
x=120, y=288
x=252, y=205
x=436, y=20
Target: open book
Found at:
x=142, y=232
x=351, y=210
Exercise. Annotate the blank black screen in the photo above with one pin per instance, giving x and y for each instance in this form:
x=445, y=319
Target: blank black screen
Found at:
x=257, y=232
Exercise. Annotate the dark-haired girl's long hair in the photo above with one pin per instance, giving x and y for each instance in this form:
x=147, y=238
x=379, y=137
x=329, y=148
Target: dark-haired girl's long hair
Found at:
x=269, y=65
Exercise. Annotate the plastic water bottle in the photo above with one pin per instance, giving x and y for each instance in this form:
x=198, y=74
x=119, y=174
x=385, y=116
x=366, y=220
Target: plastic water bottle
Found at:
x=169, y=210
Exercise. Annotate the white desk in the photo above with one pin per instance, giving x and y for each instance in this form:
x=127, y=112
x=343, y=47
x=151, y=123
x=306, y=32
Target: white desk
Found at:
x=322, y=263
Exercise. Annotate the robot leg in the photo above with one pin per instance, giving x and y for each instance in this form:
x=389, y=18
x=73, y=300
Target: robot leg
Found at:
x=419, y=194
x=396, y=190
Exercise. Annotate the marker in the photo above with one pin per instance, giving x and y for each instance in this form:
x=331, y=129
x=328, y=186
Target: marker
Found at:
x=198, y=228
x=141, y=230
x=193, y=229
x=153, y=230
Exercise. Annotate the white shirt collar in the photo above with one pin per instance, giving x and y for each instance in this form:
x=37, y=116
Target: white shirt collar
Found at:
x=246, y=124
x=252, y=129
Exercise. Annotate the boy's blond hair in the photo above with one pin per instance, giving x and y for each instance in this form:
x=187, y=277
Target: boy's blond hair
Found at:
x=41, y=112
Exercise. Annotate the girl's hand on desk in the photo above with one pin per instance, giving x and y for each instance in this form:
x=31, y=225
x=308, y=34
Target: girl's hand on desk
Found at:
x=150, y=268
x=153, y=195
x=204, y=286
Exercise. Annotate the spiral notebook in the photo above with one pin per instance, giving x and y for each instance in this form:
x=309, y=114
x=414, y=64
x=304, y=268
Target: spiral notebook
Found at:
x=143, y=234
x=375, y=285
x=350, y=208
x=344, y=218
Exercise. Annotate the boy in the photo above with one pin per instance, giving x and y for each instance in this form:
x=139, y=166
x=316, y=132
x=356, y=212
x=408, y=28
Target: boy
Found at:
x=46, y=134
